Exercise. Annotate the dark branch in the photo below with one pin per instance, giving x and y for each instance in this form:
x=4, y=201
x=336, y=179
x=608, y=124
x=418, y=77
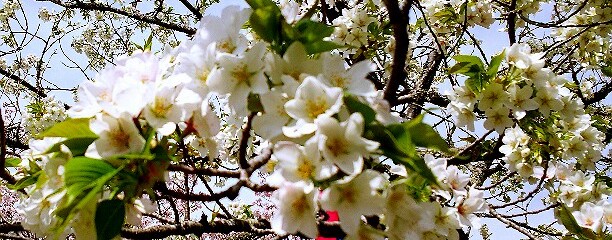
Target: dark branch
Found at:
x=398, y=22
x=137, y=15
x=191, y=8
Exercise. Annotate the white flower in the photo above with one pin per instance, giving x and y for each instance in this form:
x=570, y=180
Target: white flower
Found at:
x=296, y=209
x=171, y=104
x=134, y=211
x=207, y=125
x=366, y=232
x=353, y=81
x=342, y=143
x=197, y=62
x=497, y=119
x=513, y=139
x=312, y=99
x=574, y=147
x=464, y=95
x=270, y=124
x=590, y=216
x=457, y=180
x=293, y=63
x=39, y=209
x=520, y=100
x=492, y=97
x=353, y=198
x=548, y=99
x=121, y=88
x=116, y=136
x=84, y=224
x=519, y=55
x=238, y=76
x=446, y=222
x=224, y=31
x=406, y=218
x=465, y=115
x=468, y=205
x=297, y=163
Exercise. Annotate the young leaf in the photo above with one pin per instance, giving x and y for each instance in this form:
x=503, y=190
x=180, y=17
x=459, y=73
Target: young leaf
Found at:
x=254, y=103
x=396, y=144
x=311, y=31
x=266, y=22
x=607, y=69
x=110, y=215
x=255, y=4
x=77, y=146
x=85, y=178
x=81, y=172
x=469, y=59
x=148, y=43
x=494, y=65
x=321, y=46
x=25, y=181
x=354, y=105
x=71, y=128
x=424, y=135
x=568, y=220
x=12, y=162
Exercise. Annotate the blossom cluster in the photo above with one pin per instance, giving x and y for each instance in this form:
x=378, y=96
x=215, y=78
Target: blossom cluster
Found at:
x=315, y=138
x=326, y=125
x=531, y=105
x=41, y=115
x=593, y=44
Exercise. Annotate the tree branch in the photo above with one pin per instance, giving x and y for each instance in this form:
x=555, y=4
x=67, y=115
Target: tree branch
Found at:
x=512, y=23
x=24, y=83
x=136, y=15
x=191, y=8
x=398, y=21
x=4, y=174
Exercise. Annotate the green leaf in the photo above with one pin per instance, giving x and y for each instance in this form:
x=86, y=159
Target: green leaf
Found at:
x=148, y=43
x=12, y=162
x=85, y=178
x=396, y=143
x=71, y=128
x=460, y=67
x=388, y=142
x=77, y=146
x=475, y=83
x=81, y=172
x=424, y=135
x=321, y=46
x=25, y=181
x=603, y=178
x=469, y=59
x=567, y=219
x=110, y=216
x=266, y=22
x=354, y=105
x=494, y=65
x=255, y=4
x=606, y=70
x=311, y=31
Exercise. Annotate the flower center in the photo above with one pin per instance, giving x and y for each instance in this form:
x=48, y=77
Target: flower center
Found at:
x=241, y=73
x=119, y=138
x=337, y=147
x=304, y=170
x=316, y=107
x=160, y=107
x=339, y=81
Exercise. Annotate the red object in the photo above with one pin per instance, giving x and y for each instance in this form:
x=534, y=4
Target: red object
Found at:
x=333, y=216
